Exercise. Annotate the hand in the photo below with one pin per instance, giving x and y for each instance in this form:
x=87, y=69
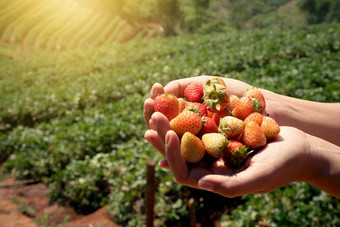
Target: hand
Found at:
x=293, y=156
x=278, y=163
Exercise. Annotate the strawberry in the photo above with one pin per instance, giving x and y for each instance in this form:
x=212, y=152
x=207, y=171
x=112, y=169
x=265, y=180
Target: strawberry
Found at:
x=235, y=154
x=198, y=108
x=194, y=93
x=209, y=126
x=191, y=148
x=253, y=136
x=214, y=144
x=257, y=98
x=270, y=128
x=182, y=105
x=257, y=117
x=216, y=116
x=243, y=108
x=217, y=80
x=187, y=121
x=233, y=99
x=231, y=127
x=216, y=96
x=167, y=104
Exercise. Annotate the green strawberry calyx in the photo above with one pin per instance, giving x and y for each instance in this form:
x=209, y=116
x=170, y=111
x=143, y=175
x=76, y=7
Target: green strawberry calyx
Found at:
x=213, y=97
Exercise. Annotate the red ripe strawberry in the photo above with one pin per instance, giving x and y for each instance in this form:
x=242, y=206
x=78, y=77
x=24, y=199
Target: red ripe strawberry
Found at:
x=216, y=116
x=194, y=93
x=182, y=105
x=231, y=127
x=253, y=136
x=257, y=98
x=167, y=104
x=197, y=107
x=257, y=117
x=216, y=96
x=214, y=144
x=187, y=121
x=209, y=126
x=243, y=108
x=191, y=148
x=270, y=128
x=235, y=154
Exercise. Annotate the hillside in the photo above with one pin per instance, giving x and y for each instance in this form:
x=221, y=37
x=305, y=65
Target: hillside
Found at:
x=60, y=24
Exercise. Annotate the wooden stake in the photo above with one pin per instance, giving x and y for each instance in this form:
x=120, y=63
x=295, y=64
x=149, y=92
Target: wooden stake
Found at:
x=150, y=192
x=192, y=211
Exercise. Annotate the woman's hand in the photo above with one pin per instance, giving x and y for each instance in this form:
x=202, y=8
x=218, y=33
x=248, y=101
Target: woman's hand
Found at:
x=293, y=156
x=278, y=163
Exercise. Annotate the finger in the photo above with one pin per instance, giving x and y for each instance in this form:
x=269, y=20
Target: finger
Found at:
x=163, y=163
x=152, y=137
x=161, y=124
x=152, y=125
x=245, y=182
x=177, y=87
x=156, y=89
x=183, y=173
x=148, y=111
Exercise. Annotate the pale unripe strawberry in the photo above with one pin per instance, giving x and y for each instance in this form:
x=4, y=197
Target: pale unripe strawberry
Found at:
x=214, y=144
x=216, y=80
x=270, y=128
x=253, y=136
x=167, y=104
x=191, y=148
x=187, y=121
x=243, y=107
x=233, y=99
x=182, y=105
x=258, y=101
x=257, y=117
x=231, y=127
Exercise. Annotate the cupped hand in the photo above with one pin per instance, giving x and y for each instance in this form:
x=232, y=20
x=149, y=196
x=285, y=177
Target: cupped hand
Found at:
x=280, y=162
x=271, y=167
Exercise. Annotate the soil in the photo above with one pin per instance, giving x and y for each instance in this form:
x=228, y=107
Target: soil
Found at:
x=17, y=198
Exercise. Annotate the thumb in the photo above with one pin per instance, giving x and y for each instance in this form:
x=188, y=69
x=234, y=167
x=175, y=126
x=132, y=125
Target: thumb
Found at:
x=244, y=182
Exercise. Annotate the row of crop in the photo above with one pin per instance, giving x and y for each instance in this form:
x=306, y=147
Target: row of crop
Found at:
x=74, y=80
x=315, y=78
x=54, y=25
x=97, y=156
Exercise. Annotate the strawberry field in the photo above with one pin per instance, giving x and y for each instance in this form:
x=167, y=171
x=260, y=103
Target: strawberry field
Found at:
x=74, y=120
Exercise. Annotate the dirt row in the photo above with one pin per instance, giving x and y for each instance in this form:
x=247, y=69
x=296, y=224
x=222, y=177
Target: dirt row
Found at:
x=27, y=205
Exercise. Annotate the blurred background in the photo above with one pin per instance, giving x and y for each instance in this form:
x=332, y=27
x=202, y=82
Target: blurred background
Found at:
x=73, y=78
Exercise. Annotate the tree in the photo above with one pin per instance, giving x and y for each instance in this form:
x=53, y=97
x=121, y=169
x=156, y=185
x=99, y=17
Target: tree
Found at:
x=168, y=14
x=321, y=11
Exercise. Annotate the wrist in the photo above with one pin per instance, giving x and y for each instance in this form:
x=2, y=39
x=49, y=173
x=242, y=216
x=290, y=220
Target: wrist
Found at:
x=323, y=168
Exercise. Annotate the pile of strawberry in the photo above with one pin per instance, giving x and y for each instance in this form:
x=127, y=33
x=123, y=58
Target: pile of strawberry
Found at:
x=212, y=123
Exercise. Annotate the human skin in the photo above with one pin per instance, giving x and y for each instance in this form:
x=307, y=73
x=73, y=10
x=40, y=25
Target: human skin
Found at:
x=297, y=154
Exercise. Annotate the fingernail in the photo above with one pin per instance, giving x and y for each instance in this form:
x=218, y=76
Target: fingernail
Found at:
x=206, y=185
x=167, y=138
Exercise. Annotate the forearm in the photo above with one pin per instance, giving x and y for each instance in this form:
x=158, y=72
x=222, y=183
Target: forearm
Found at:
x=318, y=119
x=324, y=162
